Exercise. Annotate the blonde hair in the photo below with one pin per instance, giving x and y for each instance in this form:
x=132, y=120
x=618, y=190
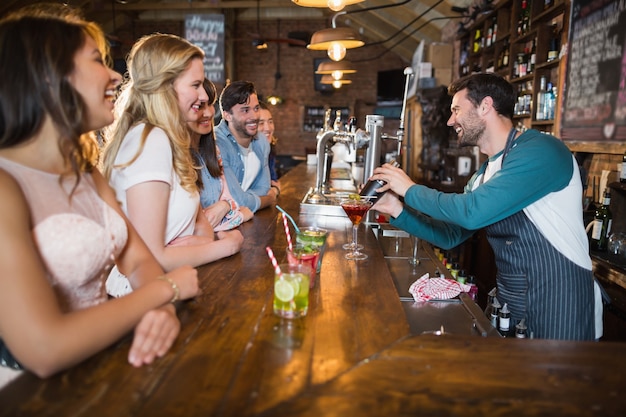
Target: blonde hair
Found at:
x=148, y=96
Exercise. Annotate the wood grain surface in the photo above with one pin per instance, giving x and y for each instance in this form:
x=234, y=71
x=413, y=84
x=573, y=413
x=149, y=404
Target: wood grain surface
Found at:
x=353, y=355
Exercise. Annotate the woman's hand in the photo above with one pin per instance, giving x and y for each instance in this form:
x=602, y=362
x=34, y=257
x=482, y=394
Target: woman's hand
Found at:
x=154, y=335
x=247, y=213
x=216, y=212
x=396, y=179
x=158, y=328
x=232, y=238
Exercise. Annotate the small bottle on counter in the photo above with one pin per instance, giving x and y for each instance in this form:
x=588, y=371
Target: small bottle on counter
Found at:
x=495, y=312
x=369, y=190
x=520, y=330
x=454, y=270
x=622, y=175
x=473, y=291
x=461, y=277
x=504, y=320
x=490, y=297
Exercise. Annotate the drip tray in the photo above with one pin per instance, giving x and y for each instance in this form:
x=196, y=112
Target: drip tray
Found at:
x=329, y=207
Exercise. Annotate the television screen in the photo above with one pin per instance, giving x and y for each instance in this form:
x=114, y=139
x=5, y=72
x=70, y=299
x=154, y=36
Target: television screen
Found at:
x=390, y=85
x=324, y=88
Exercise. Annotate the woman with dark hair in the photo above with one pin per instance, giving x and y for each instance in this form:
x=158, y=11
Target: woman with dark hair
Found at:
x=61, y=227
x=220, y=207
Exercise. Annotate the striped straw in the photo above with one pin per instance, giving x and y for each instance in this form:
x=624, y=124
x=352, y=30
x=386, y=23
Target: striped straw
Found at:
x=287, y=233
x=270, y=253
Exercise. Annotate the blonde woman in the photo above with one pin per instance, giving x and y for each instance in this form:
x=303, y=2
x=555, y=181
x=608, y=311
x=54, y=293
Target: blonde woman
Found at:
x=148, y=161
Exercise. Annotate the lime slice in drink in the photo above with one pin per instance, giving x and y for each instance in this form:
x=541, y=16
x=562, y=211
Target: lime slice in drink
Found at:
x=284, y=290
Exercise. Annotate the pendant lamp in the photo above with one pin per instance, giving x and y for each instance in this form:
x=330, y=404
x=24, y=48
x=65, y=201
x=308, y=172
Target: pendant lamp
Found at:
x=335, y=69
x=334, y=5
x=328, y=79
x=335, y=41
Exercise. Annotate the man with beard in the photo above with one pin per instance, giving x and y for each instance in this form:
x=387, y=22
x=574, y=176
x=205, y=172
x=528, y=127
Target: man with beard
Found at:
x=528, y=197
x=244, y=153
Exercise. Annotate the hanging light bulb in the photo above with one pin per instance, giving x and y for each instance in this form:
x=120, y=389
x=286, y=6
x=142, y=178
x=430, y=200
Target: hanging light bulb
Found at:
x=336, y=51
x=336, y=5
x=335, y=41
x=337, y=75
x=337, y=83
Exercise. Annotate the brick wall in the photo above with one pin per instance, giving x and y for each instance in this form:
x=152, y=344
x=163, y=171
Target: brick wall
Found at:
x=296, y=84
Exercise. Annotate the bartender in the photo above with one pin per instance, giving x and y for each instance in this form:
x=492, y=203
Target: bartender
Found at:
x=528, y=197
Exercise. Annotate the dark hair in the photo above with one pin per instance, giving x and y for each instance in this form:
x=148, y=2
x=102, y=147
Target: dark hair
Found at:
x=237, y=92
x=35, y=84
x=264, y=106
x=207, y=149
x=479, y=86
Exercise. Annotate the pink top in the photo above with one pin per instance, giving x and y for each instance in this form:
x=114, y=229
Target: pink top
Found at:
x=77, y=236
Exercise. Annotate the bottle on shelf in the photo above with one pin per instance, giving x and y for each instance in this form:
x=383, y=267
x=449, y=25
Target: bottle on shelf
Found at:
x=478, y=40
x=622, y=175
x=602, y=222
x=533, y=56
x=541, y=99
x=550, y=102
x=554, y=43
x=523, y=21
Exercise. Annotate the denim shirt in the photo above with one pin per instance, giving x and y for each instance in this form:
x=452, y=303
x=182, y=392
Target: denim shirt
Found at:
x=211, y=186
x=232, y=160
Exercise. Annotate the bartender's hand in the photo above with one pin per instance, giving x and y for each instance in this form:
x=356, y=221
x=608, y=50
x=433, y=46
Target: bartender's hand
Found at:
x=396, y=179
x=390, y=204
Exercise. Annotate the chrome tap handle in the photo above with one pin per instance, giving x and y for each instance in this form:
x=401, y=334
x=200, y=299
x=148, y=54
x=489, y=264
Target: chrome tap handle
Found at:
x=337, y=124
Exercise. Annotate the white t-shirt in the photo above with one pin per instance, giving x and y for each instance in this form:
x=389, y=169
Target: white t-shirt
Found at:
x=251, y=164
x=154, y=163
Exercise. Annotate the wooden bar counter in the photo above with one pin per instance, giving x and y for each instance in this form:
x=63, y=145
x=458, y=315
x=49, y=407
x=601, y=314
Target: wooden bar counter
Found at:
x=353, y=355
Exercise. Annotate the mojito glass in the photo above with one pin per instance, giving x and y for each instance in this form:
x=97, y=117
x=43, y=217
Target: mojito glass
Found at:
x=313, y=235
x=291, y=291
x=307, y=254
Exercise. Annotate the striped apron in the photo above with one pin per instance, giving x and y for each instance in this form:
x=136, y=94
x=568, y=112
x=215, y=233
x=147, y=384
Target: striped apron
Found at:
x=539, y=284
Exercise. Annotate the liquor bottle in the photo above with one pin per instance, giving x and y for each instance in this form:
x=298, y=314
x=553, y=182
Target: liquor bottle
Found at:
x=477, y=40
x=550, y=102
x=495, y=312
x=553, y=45
x=494, y=24
x=602, y=224
x=533, y=56
x=369, y=190
x=505, y=58
x=525, y=17
x=541, y=97
x=622, y=175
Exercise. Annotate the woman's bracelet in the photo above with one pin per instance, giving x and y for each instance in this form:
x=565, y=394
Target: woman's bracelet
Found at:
x=174, y=287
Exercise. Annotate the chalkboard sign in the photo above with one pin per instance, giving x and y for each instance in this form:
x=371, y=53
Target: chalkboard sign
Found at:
x=207, y=32
x=594, y=106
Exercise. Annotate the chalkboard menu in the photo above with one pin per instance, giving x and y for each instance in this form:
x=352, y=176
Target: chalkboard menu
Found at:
x=594, y=106
x=207, y=32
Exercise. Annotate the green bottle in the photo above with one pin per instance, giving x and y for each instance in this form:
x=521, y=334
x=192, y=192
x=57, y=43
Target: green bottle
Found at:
x=602, y=224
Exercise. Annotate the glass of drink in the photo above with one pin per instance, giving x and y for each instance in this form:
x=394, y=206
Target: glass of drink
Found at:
x=356, y=208
x=313, y=235
x=291, y=291
x=307, y=254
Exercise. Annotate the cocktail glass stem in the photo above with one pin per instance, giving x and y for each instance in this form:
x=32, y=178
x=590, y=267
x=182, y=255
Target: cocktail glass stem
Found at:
x=355, y=254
